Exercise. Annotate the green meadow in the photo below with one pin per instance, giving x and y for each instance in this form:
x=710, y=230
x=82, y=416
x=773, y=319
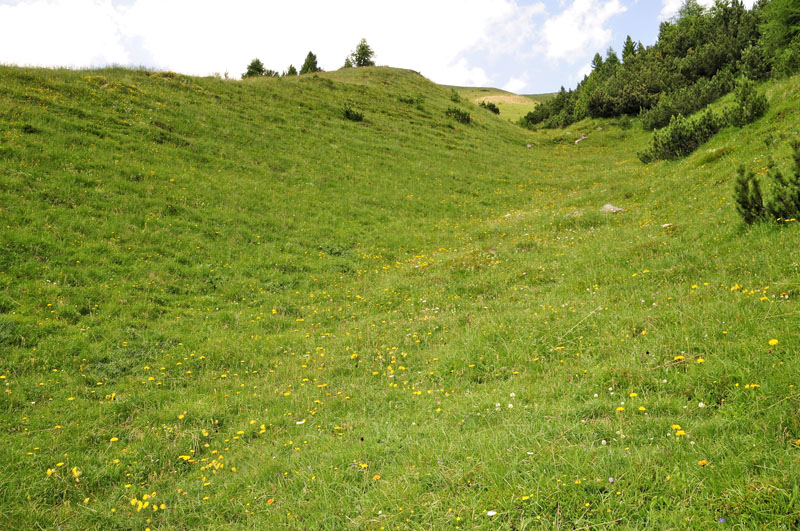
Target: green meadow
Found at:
x=225, y=306
x=512, y=106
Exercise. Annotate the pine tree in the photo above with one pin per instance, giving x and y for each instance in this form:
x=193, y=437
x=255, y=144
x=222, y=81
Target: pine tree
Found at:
x=363, y=54
x=310, y=64
x=597, y=62
x=348, y=62
x=611, y=58
x=628, y=50
x=747, y=193
x=782, y=22
x=785, y=201
x=690, y=9
x=292, y=71
x=255, y=69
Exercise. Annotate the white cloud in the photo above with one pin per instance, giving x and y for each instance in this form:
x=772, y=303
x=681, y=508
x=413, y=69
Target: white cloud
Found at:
x=515, y=85
x=462, y=74
x=458, y=42
x=579, y=29
x=584, y=71
x=76, y=33
x=671, y=7
x=511, y=28
x=204, y=36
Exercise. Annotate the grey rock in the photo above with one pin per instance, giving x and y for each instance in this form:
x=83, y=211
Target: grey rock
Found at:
x=611, y=208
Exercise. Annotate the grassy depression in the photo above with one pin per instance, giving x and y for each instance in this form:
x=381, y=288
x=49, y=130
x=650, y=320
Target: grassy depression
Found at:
x=512, y=106
x=223, y=304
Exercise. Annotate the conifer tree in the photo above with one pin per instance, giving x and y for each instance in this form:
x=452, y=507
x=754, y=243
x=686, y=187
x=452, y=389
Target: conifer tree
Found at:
x=255, y=69
x=612, y=59
x=785, y=201
x=747, y=193
x=310, y=64
x=628, y=50
x=782, y=22
x=363, y=54
x=597, y=62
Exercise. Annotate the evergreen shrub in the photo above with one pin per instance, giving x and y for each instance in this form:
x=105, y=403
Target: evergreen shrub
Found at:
x=489, y=106
x=682, y=136
x=459, y=115
x=784, y=200
x=352, y=114
x=750, y=104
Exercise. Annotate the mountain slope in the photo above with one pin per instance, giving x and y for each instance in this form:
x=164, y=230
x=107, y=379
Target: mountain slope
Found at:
x=229, y=295
x=512, y=106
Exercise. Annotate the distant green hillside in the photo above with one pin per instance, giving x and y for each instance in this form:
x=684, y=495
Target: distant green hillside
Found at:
x=225, y=305
x=512, y=106
x=541, y=98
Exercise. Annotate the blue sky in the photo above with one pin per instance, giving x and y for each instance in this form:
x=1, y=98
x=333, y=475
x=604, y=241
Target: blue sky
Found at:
x=526, y=46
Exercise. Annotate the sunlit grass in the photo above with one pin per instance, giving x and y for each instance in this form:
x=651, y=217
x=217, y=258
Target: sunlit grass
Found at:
x=225, y=301
x=512, y=106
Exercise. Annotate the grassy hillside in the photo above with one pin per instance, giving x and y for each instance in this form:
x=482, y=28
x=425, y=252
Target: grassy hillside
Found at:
x=541, y=98
x=512, y=106
x=223, y=304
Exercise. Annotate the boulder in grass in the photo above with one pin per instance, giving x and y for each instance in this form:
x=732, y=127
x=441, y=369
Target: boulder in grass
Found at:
x=611, y=208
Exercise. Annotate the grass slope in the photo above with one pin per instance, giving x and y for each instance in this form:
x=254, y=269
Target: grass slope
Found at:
x=224, y=305
x=512, y=106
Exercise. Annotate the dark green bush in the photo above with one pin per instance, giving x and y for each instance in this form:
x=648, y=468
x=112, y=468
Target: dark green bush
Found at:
x=560, y=120
x=601, y=104
x=756, y=62
x=784, y=201
x=687, y=100
x=352, y=114
x=750, y=104
x=459, y=115
x=682, y=136
x=416, y=101
x=747, y=193
x=556, y=112
x=489, y=106
x=454, y=96
x=781, y=23
x=787, y=60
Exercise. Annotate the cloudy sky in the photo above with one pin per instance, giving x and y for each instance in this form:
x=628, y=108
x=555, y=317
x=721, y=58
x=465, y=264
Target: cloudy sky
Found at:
x=526, y=46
